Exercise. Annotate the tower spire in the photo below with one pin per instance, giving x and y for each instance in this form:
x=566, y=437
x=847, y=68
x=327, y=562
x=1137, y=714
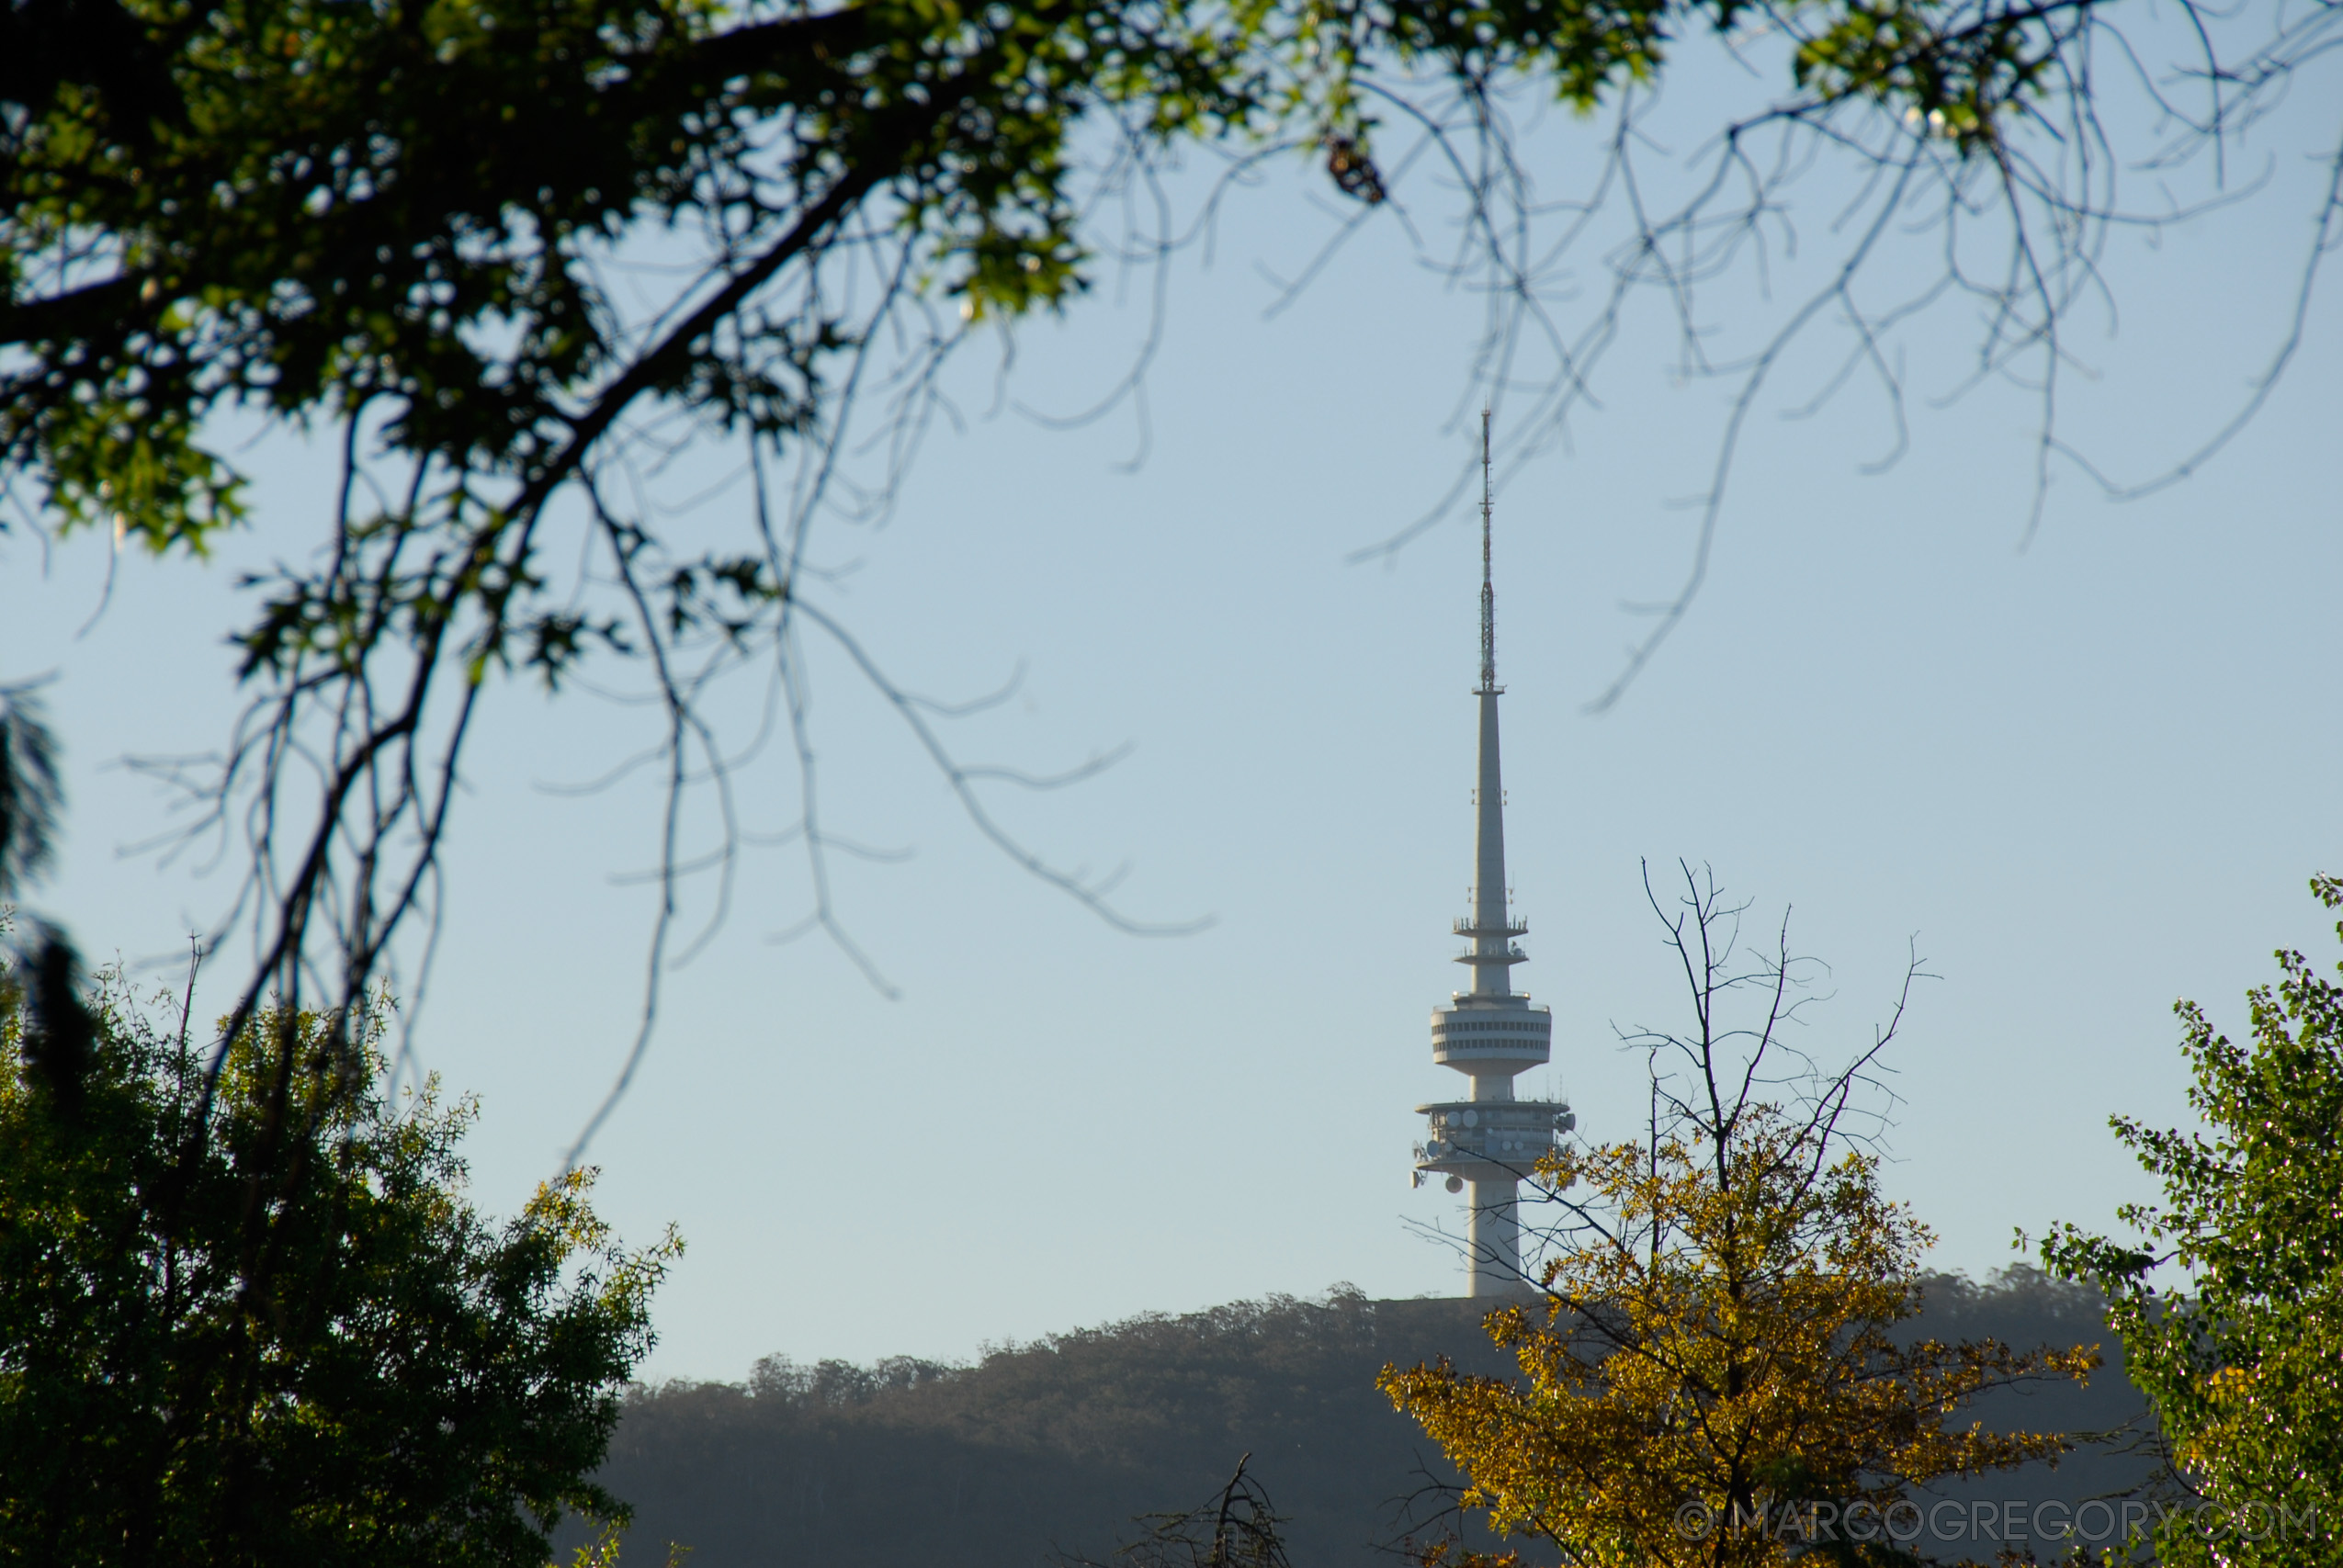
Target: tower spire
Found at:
x=1491, y=928
x=1488, y=587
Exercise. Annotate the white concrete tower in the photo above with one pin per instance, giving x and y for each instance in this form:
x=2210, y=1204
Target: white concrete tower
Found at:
x=1491, y=1034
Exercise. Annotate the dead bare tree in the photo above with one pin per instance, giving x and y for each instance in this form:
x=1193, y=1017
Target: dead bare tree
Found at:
x=1235, y=1528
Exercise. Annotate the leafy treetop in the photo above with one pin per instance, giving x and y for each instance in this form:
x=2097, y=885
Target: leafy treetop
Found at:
x=1715, y=1380
x=2243, y=1365
x=1713, y=1377
x=368, y=1371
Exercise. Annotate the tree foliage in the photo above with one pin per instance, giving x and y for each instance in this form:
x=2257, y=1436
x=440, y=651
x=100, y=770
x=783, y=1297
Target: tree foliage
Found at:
x=1711, y=1375
x=2243, y=1363
x=1718, y=1382
x=514, y=258
x=31, y=794
x=372, y=1372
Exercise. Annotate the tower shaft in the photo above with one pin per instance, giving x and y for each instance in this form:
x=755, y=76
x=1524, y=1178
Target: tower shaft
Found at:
x=1493, y=1238
x=1493, y=953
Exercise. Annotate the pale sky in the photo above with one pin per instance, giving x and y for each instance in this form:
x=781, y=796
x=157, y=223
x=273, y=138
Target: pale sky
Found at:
x=2086, y=773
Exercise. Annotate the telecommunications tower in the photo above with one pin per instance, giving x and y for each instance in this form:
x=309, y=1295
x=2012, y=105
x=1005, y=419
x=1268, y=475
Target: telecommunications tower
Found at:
x=1489, y=1141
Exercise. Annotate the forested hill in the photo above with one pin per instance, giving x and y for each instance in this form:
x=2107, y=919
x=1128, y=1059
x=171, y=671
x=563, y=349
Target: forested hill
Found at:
x=1056, y=1445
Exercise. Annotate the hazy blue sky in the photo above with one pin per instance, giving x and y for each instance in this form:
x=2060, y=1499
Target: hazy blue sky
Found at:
x=2085, y=774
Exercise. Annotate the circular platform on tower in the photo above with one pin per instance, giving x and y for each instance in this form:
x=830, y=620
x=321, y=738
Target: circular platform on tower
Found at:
x=1484, y=1140
x=1492, y=1035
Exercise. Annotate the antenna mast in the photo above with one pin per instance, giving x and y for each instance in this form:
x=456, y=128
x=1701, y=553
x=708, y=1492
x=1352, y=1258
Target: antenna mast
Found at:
x=1488, y=591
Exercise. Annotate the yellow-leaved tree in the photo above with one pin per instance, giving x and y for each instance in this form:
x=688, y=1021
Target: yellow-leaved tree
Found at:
x=1710, y=1368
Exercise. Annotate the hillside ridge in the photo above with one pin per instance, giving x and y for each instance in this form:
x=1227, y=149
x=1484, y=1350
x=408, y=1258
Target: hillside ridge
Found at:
x=1053, y=1446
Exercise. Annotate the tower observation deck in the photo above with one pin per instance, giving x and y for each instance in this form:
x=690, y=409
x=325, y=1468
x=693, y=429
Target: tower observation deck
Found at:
x=1490, y=1140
